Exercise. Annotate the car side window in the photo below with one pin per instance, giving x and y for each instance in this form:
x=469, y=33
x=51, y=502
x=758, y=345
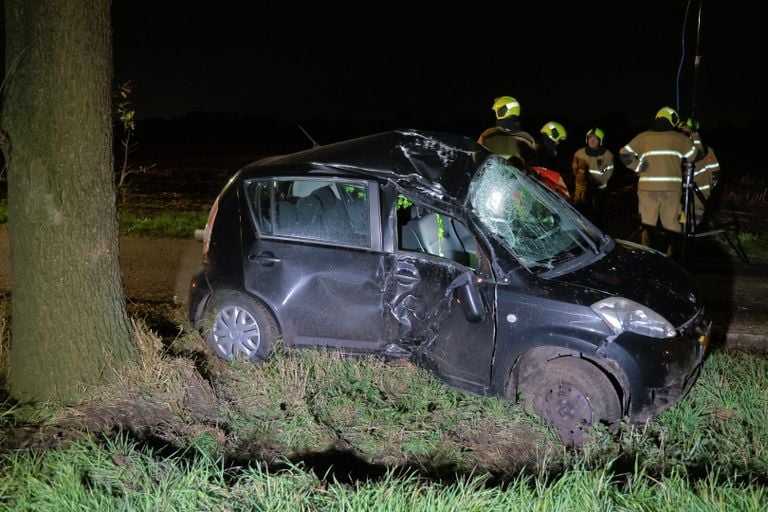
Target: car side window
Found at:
x=423, y=230
x=334, y=211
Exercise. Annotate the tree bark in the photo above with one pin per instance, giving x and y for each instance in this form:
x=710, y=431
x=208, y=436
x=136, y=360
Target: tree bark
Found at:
x=69, y=323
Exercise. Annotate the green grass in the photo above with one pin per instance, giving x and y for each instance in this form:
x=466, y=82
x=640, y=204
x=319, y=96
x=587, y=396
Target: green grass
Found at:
x=756, y=246
x=420, y=444
x=91, y=477
x=170, y=224
x=173, y=224
x=392, y=413
x=120, y=475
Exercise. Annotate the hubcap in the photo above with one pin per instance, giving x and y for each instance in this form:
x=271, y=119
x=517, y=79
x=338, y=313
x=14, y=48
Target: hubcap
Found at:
x=235, y=332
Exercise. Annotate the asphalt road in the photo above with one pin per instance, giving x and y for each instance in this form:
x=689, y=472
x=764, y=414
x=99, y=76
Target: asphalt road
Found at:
x=154, y=269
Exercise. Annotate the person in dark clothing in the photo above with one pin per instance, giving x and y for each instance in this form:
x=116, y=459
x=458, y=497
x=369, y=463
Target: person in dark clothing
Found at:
x=547, y=159
x=507, y=138
x=550, y=137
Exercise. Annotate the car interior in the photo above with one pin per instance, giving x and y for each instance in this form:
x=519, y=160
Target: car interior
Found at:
x=315, y=209
x=438, y=234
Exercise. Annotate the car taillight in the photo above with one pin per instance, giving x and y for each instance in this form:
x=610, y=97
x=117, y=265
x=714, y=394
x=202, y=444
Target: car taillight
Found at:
x=209, y=225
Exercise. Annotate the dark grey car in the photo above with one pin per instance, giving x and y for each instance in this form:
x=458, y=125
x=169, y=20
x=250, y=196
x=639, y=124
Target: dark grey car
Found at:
x=427, y=246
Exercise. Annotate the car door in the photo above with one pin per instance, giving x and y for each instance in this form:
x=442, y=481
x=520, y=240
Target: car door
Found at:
x=424, y=293
x=317, y=261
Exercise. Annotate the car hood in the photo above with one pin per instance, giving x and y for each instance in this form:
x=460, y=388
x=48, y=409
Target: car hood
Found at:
x=645, y=276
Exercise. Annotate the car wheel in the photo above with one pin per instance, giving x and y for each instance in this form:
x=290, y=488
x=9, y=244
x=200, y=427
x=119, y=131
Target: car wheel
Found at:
x=239, y=325
x=571, y=395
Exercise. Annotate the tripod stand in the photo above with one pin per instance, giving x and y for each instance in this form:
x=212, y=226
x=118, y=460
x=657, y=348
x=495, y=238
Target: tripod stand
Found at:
x=691, y=192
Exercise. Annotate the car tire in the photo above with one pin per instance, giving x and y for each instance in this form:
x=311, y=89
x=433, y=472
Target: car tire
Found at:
x=239, y=325
x=571, y=395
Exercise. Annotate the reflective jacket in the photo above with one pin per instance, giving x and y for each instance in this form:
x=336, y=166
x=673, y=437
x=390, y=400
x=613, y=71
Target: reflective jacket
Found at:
x=706, y=171
x=507, y=144
x=599, y=167
x=657, y=158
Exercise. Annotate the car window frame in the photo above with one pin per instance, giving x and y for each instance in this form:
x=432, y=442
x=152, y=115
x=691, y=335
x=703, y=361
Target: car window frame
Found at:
x=255, y=209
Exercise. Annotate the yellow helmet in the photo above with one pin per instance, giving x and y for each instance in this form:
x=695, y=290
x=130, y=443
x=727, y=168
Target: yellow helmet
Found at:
x=692, y=124
x=506, y=106
x=596, y=133
x=670, y=115
x=554, y=131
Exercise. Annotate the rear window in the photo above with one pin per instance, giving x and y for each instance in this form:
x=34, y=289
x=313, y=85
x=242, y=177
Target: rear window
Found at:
x=335, y=211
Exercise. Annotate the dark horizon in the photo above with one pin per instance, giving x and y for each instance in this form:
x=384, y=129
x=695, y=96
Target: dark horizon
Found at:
x=402, y=63
x=412, y=66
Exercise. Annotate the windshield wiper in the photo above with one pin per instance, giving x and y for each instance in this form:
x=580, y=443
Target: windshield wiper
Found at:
x=590, y=241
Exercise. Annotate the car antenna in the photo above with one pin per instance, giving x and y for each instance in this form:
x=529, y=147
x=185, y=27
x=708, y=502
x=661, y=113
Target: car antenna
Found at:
x=314, y=142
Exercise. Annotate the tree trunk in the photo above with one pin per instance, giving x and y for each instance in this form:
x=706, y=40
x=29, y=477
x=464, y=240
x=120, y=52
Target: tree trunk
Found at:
x=69, y=324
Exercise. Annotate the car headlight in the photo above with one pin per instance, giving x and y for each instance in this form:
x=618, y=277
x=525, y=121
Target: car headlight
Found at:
x=627, y=315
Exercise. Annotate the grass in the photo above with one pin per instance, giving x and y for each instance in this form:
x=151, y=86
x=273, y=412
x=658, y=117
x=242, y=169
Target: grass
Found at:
x=119, y=475
x=310, y=430
x=162, y=224
x=173, y=224
x=755, y=246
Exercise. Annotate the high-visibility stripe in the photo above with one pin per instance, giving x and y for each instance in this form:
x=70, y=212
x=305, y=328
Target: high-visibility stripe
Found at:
x=710, y=167
x=599, y=172
x=662, y=152
x=704, y=187
x=661, y=179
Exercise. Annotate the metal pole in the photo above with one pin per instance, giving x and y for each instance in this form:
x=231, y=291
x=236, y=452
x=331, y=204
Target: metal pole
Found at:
x=696, y=61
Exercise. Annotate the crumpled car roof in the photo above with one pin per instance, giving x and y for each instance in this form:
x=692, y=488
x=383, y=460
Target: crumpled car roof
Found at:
x=442, y=163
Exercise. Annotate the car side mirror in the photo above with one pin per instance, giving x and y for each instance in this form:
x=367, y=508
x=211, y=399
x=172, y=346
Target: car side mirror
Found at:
x=468, y=296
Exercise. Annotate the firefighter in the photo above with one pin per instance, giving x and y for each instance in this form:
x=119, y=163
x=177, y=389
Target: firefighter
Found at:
x=592, y=167
x=657, y=157
x=706, y=168
x=516, y=145
x=551, y=135
x=547, y=159
x=507, y=138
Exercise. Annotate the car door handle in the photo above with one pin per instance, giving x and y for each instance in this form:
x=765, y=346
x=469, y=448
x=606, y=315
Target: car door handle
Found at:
x=406, y=278
x=265, y=258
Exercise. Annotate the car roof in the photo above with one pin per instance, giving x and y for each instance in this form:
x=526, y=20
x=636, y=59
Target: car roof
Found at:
x=438, y=163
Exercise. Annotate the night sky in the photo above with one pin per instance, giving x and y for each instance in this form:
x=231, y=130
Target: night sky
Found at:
x=580, y=61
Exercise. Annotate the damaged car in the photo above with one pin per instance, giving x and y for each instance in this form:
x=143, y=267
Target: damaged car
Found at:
x=426, y=246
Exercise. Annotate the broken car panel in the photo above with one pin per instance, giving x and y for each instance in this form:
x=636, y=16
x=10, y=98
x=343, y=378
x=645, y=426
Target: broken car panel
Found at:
x=427, y=246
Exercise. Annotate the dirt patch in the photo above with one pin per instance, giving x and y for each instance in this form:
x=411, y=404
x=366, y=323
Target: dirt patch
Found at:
x=180, y=407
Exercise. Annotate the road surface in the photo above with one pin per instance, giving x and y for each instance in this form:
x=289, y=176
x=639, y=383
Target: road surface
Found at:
x=154, y=269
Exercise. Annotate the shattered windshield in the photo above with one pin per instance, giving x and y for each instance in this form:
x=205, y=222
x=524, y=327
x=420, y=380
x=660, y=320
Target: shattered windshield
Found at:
x=543, y=231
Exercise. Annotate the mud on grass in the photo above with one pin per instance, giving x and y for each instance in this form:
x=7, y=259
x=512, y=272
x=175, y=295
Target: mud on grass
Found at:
x=359, y=416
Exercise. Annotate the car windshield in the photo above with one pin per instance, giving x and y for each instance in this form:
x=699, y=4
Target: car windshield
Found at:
x=537, y=225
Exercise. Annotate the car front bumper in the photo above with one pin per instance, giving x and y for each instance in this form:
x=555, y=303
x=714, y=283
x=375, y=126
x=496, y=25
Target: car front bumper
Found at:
x=661, y=372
